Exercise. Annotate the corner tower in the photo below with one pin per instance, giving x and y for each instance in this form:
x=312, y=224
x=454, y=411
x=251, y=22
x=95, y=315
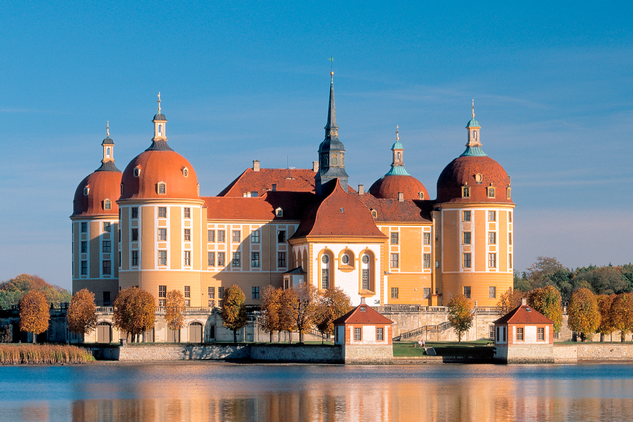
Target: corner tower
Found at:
x=331, y=151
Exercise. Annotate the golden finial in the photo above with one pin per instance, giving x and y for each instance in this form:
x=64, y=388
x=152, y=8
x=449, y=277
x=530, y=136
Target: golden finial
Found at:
x=397, y=134
x=331, y=59
x=108, y=128
x=158, y=102
x=473, y=108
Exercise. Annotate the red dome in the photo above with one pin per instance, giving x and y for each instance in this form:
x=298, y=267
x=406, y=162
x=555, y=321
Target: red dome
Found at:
x=94, y=190
x=465, y=171
x=389, y=186
x=159, y=164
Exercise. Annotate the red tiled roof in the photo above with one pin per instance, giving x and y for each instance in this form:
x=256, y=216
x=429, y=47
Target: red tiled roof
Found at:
x=390, y=185
x=102, y=185
x=293, y=205
x=524, y=314
x=394, y=210
x=296, y=180
x=362, y=314
x=339, y=214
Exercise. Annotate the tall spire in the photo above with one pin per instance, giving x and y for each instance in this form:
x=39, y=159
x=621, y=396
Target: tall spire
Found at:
x=473, y=108
x=331, y=129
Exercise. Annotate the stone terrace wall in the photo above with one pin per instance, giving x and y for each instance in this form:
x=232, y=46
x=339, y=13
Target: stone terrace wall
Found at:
x=296, y=353
x=368, y=355
x=184, y=352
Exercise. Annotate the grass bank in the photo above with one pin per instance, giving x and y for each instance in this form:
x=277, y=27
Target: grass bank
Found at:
x=43, y=354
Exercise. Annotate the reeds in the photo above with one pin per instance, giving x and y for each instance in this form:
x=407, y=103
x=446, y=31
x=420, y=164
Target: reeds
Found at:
x=46, y=354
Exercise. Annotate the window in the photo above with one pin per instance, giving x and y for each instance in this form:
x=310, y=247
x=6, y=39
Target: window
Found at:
x=357, y=334
x=492, y=238
x=519, y=333
x=467, y=291
x=255, y=259
x=394, y=260
x=281, y=236
x=325, y=278
x=162, y=212
x=162, y=234
x=107, y=267
x=427, y=260
x=394, y=238
x=134, y=212
x=490, y=192
x=492, y=216
x=365, y=279
x=345, y=259
x=187, y=212
x=237, y=236
x=86, y=191
x=380, y=334
x=137, y=171
x=119, y=235
x=84, y=267
x=281, y=259
x=510, y=261
x=162, y=303
x=221, y=259
x=210, y=235
x=427, y=238
x=162, y=291
x=540, y=333
x=106, y=298
x=211, y=259
x=135, y=258
x=492, y=260
x=84, y=227
x=427, y=292
x=107, y=227
x=491, y=332
x=119, y=259
x=162, y=257
x=84, y=246
x=325, y=259
x=161, y=188
x=220, y=292
x=211, y=292
x=394, y=293
x=236, y=260
x=467, y=262
x=465, y=192
x=187, y=235
x=254, y=194
x=107, y=205
x=509, y=217
x=492, y=292
x=187, y=291
x=466, y=238
x=107, y=246
x=185, y=172
x=374, y=214
x=221, y=236
x=509, y=192
x=134, y=235
x=187, y=303
x=466, y=215
x=509, y=238
x=188, y=258
x=255, y=236
x=421, y=195
x=255, y=292
x=278, y=212
x=211, y=304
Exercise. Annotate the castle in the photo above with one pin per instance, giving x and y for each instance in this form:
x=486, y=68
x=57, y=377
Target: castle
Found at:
x=149, y=227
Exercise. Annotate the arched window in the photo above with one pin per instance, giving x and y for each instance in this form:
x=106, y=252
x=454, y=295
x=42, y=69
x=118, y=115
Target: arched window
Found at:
x=160, y=129
x=108, y=152
x=399, y=156
x=374, y=214
x=137, y=171
x=185, y=172
x=365, y=272
x=161, y=188
x=107, y=204
x=465, y=192
x=86, y=190
x=325, y=271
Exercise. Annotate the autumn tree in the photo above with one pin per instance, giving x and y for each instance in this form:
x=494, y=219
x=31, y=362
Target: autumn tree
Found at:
x=539, y=272
x=174, y=306
x=622, y=314
x=547, y=300
x=460, y=314
x=34, y=313
x=134, y=311
x=287, y=313
x=509, y=300
x=234, y=310
x=270, y=308
x=334, y=303
x=583, y=312
x=606, y=320
x=82, y=312
x=304, y=306
x=12, y=291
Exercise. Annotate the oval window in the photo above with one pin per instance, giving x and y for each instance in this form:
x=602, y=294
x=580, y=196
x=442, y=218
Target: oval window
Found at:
x=365, y=259
x=325, y=259
x=345, y=259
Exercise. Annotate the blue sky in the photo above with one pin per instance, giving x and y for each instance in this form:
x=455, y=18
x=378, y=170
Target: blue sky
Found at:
x=552, y=83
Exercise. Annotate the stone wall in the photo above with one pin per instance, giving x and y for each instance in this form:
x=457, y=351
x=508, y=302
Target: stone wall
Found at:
x=541, y=353
x=368, y=355
x=184, y=352
x=296, y=353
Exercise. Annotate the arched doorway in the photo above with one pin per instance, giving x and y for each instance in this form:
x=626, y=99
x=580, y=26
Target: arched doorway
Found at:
x=195, y=332
x=104, y=332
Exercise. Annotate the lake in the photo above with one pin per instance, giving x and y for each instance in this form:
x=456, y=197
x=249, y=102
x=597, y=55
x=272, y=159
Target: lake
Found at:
x=212, y=391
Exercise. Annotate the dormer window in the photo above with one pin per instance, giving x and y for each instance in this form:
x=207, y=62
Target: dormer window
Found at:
x=508, y=192
x=491, y=192
x=161, y=188
x=137, y=171
x=374, y=214
x=279, y=212
x=465, y=192
x=86, y=190
x=421, y=195
x=107, y=204
x=185, y=172
x=479, y=177
x=121, y=188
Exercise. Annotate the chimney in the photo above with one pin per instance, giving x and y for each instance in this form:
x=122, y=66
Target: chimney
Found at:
x=255, y=165
x=523, y=301
x=401, y=196
x=315, y=166
x=362, y=300
x=361, y=189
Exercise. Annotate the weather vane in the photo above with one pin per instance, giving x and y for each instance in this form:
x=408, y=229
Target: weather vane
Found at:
x=108, y=128
x=397, y=134
x=158, y=102
x=473, y=108
x=331, y=59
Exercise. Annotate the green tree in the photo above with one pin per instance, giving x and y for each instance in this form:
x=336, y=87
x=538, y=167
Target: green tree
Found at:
x=547, y=300
x=460, y=314
x=606, y=320
x=334, y=303
x=622, y=314
x=583, y=312
x=234, y=310
x=12, y=291
x=34, y=313
x=538, y=273
x=134, y=311
x=81, y=317
x=521, y=283
x=270, y=308
x=604, y=280
x=174, y=307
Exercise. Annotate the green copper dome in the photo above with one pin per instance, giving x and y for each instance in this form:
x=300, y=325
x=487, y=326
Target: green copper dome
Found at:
x=474, y=152
x=473, y=123
x=397, y=171
x=397, y=145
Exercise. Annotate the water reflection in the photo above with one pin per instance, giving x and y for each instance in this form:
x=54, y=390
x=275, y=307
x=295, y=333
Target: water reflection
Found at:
x=216, y=392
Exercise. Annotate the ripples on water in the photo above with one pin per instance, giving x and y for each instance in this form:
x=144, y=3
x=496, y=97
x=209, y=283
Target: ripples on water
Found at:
x=226, y=392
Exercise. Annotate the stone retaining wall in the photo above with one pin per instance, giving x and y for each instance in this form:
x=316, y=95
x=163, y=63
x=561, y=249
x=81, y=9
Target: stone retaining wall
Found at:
x=297, y=353
x=184, y=352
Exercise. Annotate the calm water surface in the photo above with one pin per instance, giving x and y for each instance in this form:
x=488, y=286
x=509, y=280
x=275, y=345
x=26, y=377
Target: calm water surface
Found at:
x=235, y=392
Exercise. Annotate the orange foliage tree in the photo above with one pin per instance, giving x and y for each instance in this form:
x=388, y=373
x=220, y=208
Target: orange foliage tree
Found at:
x=622, y=313
x=134, y=311
x=234, y=310
x=334, y=303
x=174, y=305
x=547, y=300
x=460, y=314
x=583, y=312
x=34, y=314
x=606, y=321
x=509, y=300
x=82, y=312
x=271, y=306
x=287, y=317
x=304, y=306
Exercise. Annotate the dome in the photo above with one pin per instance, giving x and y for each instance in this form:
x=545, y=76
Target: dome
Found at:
x=479, y=173
x=388, y=187
x=158, y=165
x=95, y=190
